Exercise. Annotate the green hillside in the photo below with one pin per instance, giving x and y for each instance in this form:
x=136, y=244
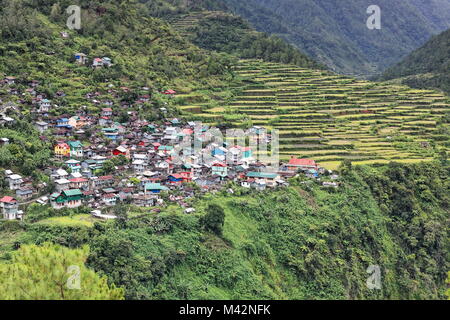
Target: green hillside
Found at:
x=331, y=118
x=145, y=51
x=303, y=242
x=334, y=32
x=427, y=67
x=224, y=32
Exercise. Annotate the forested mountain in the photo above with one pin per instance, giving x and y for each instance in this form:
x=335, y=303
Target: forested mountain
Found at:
x=144, y=50
x=334, y=32
x=210, y=25
x=427, y=67
x=300, y=241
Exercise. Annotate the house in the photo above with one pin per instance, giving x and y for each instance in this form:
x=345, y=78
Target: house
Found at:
x=4, y=141
x=10, y=80
x=66, y=199
x=63, y=123
x=312, y=173
x=102, y=182
x=234, y=155
x=246, y=152
x=139, y=166
x=109, y=199
x=170, y=92
x=267, y=178
x=74, y=165
x=10, y=208
x=79, y=183
x=15, y=181
x=97, y=63
x=175, y=179
x=77, y=122
x=111, y=133
x=62, y=184
x=98, y=161
x=24, y=193
x=296, y=164
x=107, y=62
x=107, y=112
x=126, y=193
x=144, y=200
x=44, y=105
x=76, y=149
x=62, y=150
x=59, y=174
x=104, y=121
x=219, y=169
x=154, y=188
x=41, y=126
x=121, y=150
x=81, y=58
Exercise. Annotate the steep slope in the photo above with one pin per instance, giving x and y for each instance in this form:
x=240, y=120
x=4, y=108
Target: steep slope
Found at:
x=145, y=51
x=331, y=118
x=335, y=33
x=224, y=32
x=210, y=25
x=427, y=67
x=302, y=242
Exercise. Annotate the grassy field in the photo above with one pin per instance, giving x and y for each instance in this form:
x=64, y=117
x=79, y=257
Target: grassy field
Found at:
x=330, y=117
x=80, y=220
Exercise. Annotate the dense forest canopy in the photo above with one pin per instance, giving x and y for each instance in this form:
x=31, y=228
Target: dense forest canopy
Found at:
x=334, y=32
x=426, y=67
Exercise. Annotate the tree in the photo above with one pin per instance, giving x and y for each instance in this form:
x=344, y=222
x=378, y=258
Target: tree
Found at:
x=108, y=167
x=53, y=272
x=214, y=219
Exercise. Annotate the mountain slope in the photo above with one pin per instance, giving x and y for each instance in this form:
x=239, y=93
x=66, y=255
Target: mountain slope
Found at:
x=301, y=242
x=331, y=118
x=209, y=24
x=427, y=67
x=145, y=51
x=334, y=32
x=224, y=32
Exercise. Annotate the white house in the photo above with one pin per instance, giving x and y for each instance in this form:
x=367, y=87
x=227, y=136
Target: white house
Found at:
x=10, y=208
x=15, y=181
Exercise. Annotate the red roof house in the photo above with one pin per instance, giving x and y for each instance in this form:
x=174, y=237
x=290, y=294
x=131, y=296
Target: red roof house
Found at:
x=296, y=164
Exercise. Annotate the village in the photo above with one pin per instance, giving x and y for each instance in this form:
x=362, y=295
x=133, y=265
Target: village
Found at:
x=138, y=156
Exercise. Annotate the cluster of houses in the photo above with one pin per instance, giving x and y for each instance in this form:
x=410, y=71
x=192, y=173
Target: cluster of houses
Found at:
x=82, y=59
x=142, y=155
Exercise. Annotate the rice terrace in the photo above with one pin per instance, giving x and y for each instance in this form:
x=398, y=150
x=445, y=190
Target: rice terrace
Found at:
x=332, y=117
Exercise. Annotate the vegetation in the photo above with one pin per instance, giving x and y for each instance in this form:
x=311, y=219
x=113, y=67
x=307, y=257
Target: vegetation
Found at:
x=300, y=242
x=335, y=34
x=145, y=51
x=427, y=67
x=220, y=31
x=52, y=272
x=331, y=118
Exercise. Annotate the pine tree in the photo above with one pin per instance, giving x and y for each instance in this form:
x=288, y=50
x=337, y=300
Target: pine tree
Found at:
x=53, y=272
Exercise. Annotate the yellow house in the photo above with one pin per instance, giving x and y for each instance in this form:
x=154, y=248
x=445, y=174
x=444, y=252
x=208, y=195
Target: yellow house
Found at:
x=77, y=122
x=62, y=150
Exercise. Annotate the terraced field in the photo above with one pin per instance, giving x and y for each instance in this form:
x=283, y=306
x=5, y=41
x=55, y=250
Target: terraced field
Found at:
x=330, y=117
